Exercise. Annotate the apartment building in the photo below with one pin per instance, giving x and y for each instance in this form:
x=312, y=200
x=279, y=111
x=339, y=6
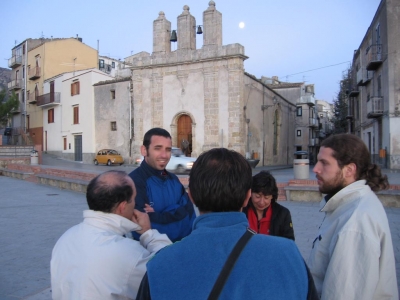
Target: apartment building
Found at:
x=32, y=62
x=374, y=92
x=306, y=126
x=325, y=113
x=68, y=114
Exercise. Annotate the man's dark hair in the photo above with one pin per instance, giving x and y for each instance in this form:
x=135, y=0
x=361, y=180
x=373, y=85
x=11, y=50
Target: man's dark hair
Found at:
x=348, y=148
x=265, y=184
x=107, y=190
x=154, y=131
x=219, y=180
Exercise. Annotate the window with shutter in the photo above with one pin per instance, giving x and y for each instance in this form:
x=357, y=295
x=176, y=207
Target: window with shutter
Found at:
x=50, y=116
x=75, y=88
x=76, y=114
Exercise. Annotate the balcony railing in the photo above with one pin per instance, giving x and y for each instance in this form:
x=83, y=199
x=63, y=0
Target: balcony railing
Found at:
x=15, y=61
x=375, y=107
x=308, y=99
x=366, y=77
x=49, y=99
x=312, y=122
x=106, y=68
x=32, y=98
x=19, y=109
x=359, y=76
x=354, y=91
x=34, y=73
x=374, y=56
x=15, y=84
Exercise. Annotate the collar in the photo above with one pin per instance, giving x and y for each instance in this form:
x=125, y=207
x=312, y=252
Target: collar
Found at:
x=346, y=195
x=220, y=219
x=164, y=174
x=110, y=222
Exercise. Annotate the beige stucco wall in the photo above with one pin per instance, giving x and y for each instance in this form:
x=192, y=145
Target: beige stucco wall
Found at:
x=56, y=57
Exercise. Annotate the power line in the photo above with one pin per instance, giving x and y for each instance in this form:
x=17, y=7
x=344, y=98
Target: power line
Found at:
x=345, y=62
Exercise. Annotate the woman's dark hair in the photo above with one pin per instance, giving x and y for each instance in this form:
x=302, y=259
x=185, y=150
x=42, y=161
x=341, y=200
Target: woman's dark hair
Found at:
x=154, y=131
x=348, y=148
x=265, y=184
x=219, y=180
x=107, y=190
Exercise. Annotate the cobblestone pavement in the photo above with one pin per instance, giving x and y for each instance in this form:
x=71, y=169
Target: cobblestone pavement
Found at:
x=33, y=217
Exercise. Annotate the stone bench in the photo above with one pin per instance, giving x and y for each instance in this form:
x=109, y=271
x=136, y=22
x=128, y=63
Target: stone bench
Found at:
x=19, y=174
x=65, y=183
x=389, y=198
x=309, y=193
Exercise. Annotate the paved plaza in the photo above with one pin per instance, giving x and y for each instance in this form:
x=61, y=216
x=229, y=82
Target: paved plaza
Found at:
x=33, y=217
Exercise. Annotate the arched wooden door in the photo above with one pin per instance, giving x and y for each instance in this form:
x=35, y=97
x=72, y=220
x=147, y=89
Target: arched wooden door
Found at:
x=185, y=134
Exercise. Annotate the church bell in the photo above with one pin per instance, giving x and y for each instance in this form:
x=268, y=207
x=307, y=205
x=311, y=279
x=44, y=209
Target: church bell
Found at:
x=173, y=36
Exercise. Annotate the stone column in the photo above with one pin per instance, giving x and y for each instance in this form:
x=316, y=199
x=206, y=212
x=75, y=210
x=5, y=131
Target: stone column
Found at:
x=161, y=34
x=186, y=30
x=212, y=25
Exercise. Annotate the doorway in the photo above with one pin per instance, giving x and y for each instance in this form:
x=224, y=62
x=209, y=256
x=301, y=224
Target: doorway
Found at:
x=78, y=147
x=185, y=134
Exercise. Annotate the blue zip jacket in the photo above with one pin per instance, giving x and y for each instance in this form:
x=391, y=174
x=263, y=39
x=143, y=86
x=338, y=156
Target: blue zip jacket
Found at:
x=173, y=211
x=268, y=268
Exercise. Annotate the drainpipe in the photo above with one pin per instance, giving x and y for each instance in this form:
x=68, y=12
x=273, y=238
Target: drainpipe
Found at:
x=25, y=83
x=130, y=122
x=263, y=130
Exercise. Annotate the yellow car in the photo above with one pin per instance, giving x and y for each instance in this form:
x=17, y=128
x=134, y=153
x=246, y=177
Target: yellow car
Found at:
x=108, y=157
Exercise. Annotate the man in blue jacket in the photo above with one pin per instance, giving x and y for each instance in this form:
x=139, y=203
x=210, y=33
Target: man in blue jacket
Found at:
x=268, y=267
x=159, y=192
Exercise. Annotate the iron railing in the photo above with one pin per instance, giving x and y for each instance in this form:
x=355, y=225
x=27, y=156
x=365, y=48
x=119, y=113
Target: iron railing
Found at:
x=48, y=99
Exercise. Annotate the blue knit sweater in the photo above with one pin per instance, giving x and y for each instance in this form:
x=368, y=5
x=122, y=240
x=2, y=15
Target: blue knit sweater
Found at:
x=268, y=268
x=173, y=211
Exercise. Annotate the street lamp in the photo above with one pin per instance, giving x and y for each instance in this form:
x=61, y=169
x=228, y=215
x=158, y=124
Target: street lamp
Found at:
x=263, y=107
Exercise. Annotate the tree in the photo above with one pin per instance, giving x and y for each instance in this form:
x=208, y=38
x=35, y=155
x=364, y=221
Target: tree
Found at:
x=7, y=106
x=340, y=104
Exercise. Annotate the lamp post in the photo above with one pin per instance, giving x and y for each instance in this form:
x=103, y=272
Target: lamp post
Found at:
x=248, y=139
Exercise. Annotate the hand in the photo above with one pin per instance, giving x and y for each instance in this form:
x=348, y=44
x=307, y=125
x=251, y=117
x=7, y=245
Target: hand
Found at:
x=148, y=208
x=142, y=219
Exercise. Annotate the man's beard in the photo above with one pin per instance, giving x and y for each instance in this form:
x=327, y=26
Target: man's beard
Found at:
x=334, y=185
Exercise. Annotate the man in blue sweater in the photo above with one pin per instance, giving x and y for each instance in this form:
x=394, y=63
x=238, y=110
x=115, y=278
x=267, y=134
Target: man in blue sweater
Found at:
x=159, y=192
x=267, y=268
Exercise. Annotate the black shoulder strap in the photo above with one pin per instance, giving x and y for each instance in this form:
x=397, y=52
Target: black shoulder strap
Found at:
x=229, y=264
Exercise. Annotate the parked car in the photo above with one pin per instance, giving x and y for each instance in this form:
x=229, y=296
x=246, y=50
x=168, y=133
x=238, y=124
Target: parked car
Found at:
x=179, y=163
x=108, y=157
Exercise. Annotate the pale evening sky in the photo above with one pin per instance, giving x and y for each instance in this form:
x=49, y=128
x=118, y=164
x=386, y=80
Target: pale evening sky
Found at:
x=281, y=38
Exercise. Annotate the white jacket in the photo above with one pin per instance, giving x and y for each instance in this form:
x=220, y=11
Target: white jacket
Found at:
x=352, y=256
x=93, y=260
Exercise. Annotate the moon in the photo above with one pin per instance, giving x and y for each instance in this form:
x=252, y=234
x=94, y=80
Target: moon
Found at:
x=241, y=25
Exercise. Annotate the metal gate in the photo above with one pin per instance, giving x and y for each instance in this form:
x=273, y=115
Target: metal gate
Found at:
x=78, y=148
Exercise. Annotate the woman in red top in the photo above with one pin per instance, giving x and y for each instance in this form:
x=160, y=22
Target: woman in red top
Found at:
x=264, y=214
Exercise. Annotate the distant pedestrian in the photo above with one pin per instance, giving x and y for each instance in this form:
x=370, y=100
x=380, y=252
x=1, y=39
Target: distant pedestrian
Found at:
x=267, y=268
x=98, y=259
x=352, y=255
x=265, y=215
